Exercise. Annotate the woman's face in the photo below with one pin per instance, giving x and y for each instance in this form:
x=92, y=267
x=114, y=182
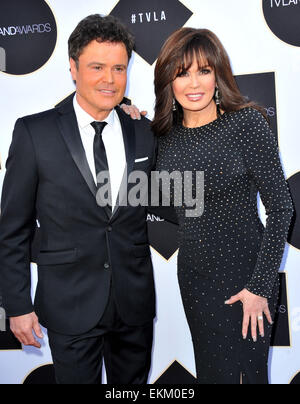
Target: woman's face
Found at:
x=194, y=89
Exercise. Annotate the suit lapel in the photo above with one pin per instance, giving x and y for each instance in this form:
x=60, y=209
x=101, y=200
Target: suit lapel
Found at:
x=128, y=131
x=129, y=137
x=69, y=128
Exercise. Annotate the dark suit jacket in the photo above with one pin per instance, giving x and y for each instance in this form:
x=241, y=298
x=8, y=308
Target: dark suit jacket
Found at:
x=82, y=248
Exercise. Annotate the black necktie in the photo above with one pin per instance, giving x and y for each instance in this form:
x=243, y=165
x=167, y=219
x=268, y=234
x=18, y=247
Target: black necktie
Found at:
x=100, y=156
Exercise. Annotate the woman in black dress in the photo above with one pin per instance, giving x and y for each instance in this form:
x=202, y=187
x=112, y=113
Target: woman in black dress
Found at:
x=228, y=262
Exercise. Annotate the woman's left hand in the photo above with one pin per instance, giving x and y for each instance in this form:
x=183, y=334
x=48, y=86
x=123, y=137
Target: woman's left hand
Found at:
x=133, y=111
x=254, y=309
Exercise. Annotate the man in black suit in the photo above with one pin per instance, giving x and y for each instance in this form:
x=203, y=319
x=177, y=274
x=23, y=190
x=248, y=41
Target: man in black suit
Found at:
x=95, y=292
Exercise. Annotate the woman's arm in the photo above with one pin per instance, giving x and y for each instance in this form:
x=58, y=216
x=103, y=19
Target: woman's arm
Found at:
x=261, y=156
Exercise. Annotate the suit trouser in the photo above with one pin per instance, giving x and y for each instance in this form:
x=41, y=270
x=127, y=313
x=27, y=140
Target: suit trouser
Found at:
x=126, y=352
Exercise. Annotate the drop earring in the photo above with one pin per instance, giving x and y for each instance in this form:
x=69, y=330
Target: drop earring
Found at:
x=217, y=96
x=174, y=105
x=218, y=101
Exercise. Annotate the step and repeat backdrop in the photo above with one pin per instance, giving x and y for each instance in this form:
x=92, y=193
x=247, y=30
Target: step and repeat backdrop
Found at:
x=262, y=38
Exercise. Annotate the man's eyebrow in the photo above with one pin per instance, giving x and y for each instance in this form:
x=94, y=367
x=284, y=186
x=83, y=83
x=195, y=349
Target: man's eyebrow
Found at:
x=103, y=64
x=96, y=63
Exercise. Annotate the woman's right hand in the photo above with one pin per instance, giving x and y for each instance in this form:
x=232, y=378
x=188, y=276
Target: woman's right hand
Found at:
x=255, y=307
x=133, y=111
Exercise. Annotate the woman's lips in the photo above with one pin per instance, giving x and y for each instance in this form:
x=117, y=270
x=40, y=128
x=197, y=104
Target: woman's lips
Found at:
x=195, y=97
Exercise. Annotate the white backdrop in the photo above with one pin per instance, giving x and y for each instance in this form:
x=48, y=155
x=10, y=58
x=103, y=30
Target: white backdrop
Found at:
x=253, y=48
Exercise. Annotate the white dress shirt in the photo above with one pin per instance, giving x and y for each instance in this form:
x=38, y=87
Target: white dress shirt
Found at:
x=114, y=145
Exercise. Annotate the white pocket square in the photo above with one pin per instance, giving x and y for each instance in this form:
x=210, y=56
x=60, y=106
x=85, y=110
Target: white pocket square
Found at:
x=141, y=160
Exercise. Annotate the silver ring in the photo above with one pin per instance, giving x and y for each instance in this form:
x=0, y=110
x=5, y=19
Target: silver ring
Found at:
x=260, y=318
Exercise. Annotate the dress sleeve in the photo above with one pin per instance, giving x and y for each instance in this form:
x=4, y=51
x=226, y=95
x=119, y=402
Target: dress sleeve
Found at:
x=165, y=212
x=261, y=156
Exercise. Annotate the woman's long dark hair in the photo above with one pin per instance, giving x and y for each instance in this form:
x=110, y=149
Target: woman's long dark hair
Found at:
x=177, y=55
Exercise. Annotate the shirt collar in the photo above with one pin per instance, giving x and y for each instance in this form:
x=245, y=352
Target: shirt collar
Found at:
x=84, y=119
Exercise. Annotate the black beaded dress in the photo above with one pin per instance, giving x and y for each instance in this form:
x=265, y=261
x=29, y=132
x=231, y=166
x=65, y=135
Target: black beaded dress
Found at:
x=228, y=249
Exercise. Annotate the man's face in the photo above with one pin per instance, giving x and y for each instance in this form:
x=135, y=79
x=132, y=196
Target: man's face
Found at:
x=101, y=77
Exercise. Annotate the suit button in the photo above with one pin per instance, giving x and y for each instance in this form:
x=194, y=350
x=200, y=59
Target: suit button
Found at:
x=109, y=228
x=106, y=265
